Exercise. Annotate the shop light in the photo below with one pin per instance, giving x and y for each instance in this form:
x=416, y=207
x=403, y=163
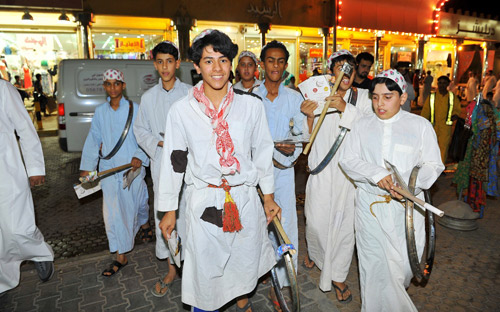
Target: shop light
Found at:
x=63, y=18
x=27, y=18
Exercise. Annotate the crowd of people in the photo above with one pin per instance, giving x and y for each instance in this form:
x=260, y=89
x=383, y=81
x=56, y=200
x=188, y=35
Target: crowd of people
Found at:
x=214, y=147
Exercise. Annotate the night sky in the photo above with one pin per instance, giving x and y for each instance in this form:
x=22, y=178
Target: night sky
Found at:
x=479, y=6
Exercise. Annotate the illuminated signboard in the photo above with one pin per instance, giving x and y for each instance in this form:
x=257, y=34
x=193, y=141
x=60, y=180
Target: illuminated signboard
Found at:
x=126, y=45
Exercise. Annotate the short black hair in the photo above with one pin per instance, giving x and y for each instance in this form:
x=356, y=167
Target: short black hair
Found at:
x=365, y=56
x=165, y=48
x=218, y=40
x=274, y=45
x=389, y=83
x=444, y=78
x=347, y=57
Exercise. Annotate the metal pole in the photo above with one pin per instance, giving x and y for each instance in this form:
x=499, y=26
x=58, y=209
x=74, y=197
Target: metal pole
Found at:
x=420, y=54
x=377, y=53
x=326, y=34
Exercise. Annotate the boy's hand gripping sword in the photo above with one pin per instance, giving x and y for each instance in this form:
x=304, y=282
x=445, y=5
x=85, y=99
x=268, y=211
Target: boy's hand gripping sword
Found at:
x=346, y=69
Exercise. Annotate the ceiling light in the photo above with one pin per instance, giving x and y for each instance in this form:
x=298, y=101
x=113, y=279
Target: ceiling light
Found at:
x=63, y=18
x=27, y=18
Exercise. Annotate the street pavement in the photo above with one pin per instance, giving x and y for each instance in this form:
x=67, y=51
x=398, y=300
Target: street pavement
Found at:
x=464, y=278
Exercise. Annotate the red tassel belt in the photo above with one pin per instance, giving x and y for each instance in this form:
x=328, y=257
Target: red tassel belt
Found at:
x=230, y=216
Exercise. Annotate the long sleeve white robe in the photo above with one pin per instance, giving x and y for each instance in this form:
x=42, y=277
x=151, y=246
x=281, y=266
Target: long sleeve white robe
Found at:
x=279, y=112
x=124, y=210
x=149, y=129
x=329, y=205
x=405, y=140
x=20, y=239
x=219, y=266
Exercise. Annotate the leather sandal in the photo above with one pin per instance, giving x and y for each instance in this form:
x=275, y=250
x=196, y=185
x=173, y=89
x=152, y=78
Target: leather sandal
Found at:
x=111, y=269
x=342, y=292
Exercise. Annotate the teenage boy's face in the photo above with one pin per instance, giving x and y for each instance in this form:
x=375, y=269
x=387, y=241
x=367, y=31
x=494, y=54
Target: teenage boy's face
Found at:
x=274, y=64
x=246, y=68
x=114, y=88
x=166, y=65
x=386, y=103
x=346, y=79
x=215, y=69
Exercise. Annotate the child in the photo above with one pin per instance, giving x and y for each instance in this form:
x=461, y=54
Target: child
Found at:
x=247, y=65
x=149, y=129
x=405, y=140
x=218, y=142
x=124, y=210
x=329, y=205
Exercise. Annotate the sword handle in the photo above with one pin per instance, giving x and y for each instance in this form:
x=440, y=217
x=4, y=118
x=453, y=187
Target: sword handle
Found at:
x=418, y=201
x=281, y=231
x=323, y=114
x=116, y=169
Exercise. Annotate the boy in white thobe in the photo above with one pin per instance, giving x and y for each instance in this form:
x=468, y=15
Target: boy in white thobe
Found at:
x=247, y=65
x=329, y=205
x=124, y=210
x=20, y=239
x=405, y=140
x=285, y=121
x=149, y=129
x=218, y=142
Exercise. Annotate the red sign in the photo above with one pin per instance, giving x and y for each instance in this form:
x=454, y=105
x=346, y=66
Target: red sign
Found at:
x=125, y=45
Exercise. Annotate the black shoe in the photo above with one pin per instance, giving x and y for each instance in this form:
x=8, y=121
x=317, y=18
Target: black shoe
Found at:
x=45, y=270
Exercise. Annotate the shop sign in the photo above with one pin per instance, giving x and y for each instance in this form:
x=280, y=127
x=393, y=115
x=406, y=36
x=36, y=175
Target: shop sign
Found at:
x=126, y=45
x=404, y=57
x=35, y=42
x=265, y=12
x=53, y=4
x=469, y=27
x=317, y=52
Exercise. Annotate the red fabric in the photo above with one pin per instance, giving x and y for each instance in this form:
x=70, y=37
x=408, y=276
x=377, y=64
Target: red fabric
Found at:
x=224, y=143
x=476, y=196
x=231, y=217
x=464, y=60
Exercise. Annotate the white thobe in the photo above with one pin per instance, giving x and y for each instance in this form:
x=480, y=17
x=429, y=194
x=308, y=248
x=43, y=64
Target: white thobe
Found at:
x=239, y=85
x=406, y=140
x=329, y=205
x=219, y=266
x=149, y=129
x=489, y=84
x=20, y=238
x=124, y=210
x=280, y=112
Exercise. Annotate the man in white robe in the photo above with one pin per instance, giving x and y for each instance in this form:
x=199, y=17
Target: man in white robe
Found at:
x=217, y=142
x=20, y=239
x=405, y=140
x=285, y=121
x=329, y=205
x=124, y=209
x=471, y=89
x=149, y=129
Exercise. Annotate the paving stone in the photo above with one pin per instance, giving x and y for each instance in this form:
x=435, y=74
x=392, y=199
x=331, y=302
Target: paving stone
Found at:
x=131, y=285
x=49, y=290
x=48, y=304
x=137, y=300
x=70, y=292
x=113, y=297
x=92, y=295
x=26, y=303
x=93, y=307
x=72, y=305
x=118, y=308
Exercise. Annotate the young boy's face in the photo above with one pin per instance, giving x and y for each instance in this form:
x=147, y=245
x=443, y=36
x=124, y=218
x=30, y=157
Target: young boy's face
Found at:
x=386, y=103
x=215, y=69
x=346, y=79
x=166, y=65
x=246, y=68
x=274, y=64
x=114, y=88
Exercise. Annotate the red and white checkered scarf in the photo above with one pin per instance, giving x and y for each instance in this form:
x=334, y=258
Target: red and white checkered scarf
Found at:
x=224, y=143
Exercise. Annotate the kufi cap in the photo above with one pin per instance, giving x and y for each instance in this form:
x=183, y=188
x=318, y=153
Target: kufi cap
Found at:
x=172, y=44
x=249, y=54
x=203, y=34
x=113, y=74
x=395, y=76
x=335, y=55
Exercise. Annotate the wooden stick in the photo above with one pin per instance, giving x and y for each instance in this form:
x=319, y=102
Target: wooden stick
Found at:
x=418, y=201
x=323, y=114
x=116, y=169
x=281, y=231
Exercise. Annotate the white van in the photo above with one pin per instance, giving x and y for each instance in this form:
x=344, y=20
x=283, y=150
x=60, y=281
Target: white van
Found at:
x=80, y=91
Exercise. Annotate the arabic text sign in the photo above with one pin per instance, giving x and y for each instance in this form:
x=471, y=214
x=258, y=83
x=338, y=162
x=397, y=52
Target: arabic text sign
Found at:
x=265, y=12
x=35, y=42
x=469, y=27
x=125, y=45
